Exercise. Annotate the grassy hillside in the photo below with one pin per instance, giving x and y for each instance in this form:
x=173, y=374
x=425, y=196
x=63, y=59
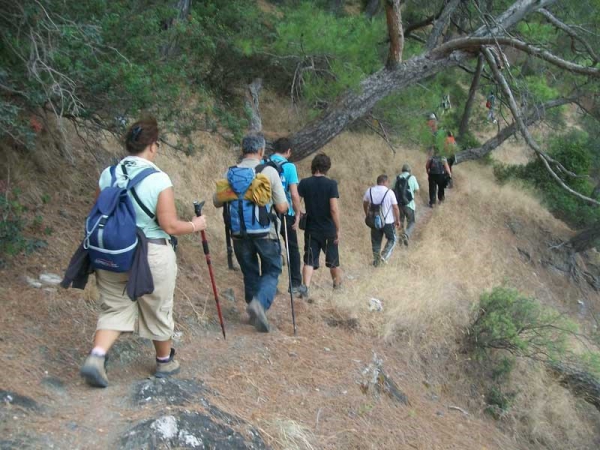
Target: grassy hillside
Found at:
x=304, y=391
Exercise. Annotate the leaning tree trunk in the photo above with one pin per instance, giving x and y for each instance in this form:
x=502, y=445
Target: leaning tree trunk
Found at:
x=464, y=123
x=538, y=113
x=394, y=26
x=585, y=239
x=356, y=102
x=581, y=384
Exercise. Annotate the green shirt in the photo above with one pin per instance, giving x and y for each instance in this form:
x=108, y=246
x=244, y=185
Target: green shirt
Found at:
x=148, y=191
x=413, y=186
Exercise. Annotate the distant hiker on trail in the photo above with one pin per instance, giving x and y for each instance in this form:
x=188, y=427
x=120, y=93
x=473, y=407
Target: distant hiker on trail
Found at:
x=153, y=202
x=405, y=188
x=254, y=226
x=432, y=123
x=490, y=104
x=439, y=175
x=322, y=230
x=450, y=149
x=445, y=104
x=383, y=217
x=289, y=178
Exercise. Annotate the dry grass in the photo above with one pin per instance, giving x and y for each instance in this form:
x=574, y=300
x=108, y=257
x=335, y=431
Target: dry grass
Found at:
x=301, y=395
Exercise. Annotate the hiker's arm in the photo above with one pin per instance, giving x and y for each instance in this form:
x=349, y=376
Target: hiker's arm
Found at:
x=447, y=168
x=396, y=210
x=366, y=207
x=295, y=199
x=167, y=216
x=335, y=215
x=428, y=166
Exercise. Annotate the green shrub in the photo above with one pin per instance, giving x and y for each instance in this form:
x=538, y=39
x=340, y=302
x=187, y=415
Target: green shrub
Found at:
x=13, y=225
x=509, y=321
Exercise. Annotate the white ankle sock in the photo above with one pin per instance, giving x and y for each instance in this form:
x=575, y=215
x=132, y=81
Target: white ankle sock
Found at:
x=98, y=351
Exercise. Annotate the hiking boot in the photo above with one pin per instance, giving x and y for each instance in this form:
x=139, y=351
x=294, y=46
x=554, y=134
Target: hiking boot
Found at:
x=251, y=315
x=93, y=371
x=337, y=286
x=167, y=368
x=260, y=318
x=405, y=239
x=302, y=291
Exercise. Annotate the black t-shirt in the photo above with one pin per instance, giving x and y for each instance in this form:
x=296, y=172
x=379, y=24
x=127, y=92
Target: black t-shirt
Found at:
x=317, y=191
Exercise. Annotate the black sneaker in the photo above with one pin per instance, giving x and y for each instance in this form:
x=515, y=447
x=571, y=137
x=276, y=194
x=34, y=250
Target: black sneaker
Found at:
x=405, y=239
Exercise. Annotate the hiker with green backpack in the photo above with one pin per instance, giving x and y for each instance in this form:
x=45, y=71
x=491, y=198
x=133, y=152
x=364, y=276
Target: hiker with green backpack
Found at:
x=405, y=188
x=383, y=217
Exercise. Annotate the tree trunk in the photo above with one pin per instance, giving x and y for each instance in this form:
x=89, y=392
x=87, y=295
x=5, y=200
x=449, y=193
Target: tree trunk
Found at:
x=585, y=239
x=464, y=123
x=356, y=102
x=394, y=26
x=581, y=384
x=537, y=114
x=252, y=105
x=183, y=7
x=441, y=22
x=372, y=9
x=336, y=6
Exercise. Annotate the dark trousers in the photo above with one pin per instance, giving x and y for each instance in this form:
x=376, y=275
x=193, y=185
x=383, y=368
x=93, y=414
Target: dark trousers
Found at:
x=437, y=184
x=294, y=250
x=376, y=239
x=260, y=277
x=407, y=214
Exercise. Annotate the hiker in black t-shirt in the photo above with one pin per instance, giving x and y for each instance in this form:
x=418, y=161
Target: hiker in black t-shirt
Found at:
x=439, y=174
x=322, y=231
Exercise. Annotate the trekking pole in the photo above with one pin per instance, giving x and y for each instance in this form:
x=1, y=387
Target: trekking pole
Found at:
x=287, y=255
x=198, y=210
x=226, y=220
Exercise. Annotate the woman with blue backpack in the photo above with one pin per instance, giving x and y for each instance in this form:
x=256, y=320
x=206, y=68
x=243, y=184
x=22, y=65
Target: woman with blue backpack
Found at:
x=135, y=201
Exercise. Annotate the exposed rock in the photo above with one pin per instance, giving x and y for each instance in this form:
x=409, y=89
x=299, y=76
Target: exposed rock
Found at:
x=375, y=305
x=375, y=382
x=33, y=282
x=170, y=391
x=51, y=279
x=190, y=429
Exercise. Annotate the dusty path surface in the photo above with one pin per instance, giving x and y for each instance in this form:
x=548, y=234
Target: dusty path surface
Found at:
x=250, y=391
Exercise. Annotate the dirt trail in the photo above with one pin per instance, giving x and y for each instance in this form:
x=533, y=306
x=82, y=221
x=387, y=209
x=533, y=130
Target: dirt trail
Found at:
x=305, y=388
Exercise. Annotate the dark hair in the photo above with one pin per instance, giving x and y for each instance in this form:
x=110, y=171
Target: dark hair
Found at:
x=282, y=145
x=382, y=179
x=141, y=134
x=320, y=163
x=449, y=134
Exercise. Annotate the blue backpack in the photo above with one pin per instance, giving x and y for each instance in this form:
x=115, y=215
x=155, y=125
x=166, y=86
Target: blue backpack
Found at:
x=246, y=219
x=110, y=228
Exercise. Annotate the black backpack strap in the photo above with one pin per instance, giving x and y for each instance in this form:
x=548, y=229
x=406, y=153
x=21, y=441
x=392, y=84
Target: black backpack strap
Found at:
x=139, y=201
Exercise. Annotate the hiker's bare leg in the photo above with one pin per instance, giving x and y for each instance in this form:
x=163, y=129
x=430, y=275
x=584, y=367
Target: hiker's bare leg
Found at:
x=163, y=348
x=336, y=275
x=105, y=339
x=307, y=272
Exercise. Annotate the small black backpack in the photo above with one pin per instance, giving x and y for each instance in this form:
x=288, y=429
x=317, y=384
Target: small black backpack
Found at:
x=375, y=218
x=402, y=191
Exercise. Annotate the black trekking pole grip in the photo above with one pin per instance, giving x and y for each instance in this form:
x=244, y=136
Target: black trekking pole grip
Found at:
x=198, y=210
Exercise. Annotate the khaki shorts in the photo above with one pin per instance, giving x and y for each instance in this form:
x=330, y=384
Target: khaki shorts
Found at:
x=151, y=316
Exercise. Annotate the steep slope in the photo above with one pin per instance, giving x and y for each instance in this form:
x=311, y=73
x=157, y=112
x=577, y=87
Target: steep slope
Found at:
x=312, y=390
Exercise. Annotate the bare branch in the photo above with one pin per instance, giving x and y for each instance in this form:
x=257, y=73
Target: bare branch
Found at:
x=567, y=29
x=441, y=22
x=474, y=43
x=523, y=128
x=538, y=113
